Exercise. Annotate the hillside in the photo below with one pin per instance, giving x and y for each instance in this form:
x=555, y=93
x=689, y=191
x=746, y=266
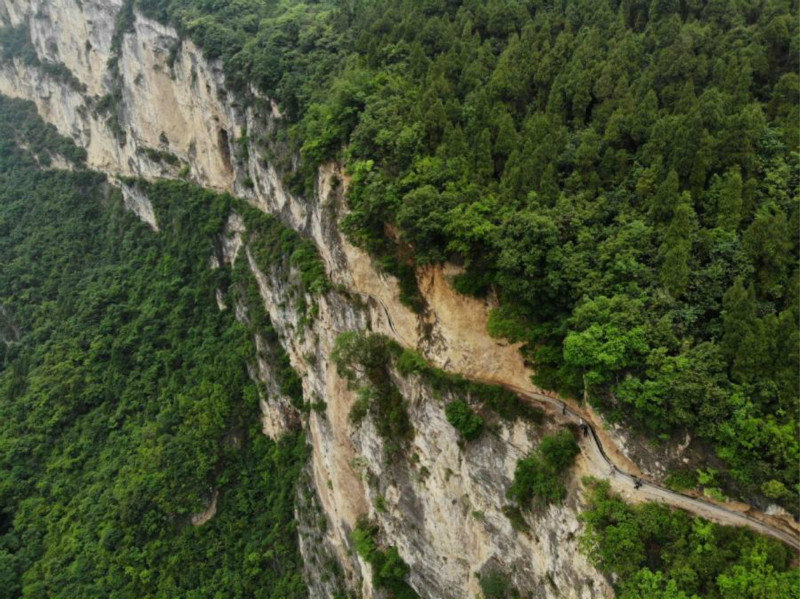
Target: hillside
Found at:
x=399, y=299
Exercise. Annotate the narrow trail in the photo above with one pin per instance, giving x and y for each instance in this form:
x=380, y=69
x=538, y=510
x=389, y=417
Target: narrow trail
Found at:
x=602, y=466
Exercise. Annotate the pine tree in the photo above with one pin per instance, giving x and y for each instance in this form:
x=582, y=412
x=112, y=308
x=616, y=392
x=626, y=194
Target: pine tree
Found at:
x=729, y=202
x=507, y=139
x=435, y=122
x=677, y=247
x=666, y=198
x=484, y=165
x=768, y=241
x=417, y=61
x=740, y=324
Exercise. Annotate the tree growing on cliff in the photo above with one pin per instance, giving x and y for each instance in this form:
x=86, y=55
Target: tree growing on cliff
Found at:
x=539, y=478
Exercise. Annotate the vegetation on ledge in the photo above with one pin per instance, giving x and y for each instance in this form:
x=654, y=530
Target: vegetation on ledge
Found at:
x=15, y=43
x=370, y=355
x=464, y=419
x=272, y=243
x=357, y=355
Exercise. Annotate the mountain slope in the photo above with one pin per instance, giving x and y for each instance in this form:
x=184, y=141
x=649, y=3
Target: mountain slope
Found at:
x=146, y=102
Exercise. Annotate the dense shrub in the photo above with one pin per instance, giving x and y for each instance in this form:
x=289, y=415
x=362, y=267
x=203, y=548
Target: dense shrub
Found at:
x=495, y=585
x=389, y=571
x=539, y=478
x=464, y=419
x=559, y=450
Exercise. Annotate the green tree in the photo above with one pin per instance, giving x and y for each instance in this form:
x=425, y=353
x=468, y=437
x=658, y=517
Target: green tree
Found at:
x=742, y=329
x=657, y=552
x=666, y=198
x=464, y=419
x=729, y=202
x=422, y=217
x=768, y=241
x=539, y=478
x=607, y=336
x=559, y=450
x=651, y=584
x=677, y=247
x=754, y=577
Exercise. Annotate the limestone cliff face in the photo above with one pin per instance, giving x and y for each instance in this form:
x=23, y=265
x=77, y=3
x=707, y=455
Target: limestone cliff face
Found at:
x=443, y=505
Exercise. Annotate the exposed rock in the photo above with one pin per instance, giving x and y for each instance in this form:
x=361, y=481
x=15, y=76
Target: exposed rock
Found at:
x=321, y=556
x=232, y=238
x=9, y=330
x=278, y=414
x=442, y=506
x=208, y=513
x=220, y=300
x=137, y=202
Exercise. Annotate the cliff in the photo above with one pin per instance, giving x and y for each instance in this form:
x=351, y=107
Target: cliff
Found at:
x=162, y=110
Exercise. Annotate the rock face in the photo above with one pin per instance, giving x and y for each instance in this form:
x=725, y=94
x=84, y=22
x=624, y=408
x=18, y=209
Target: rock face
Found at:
x=138, y=203
x=169, y=115
x=444, y=506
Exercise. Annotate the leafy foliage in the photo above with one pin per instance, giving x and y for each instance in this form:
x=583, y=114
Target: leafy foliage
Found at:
x=495, y=585
x=126, y=402
x=559, y=450
x=389, y=571
x=681, y=479
x=163, y=156
x=662, y=553
x=464, y=419
x=539, y=478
